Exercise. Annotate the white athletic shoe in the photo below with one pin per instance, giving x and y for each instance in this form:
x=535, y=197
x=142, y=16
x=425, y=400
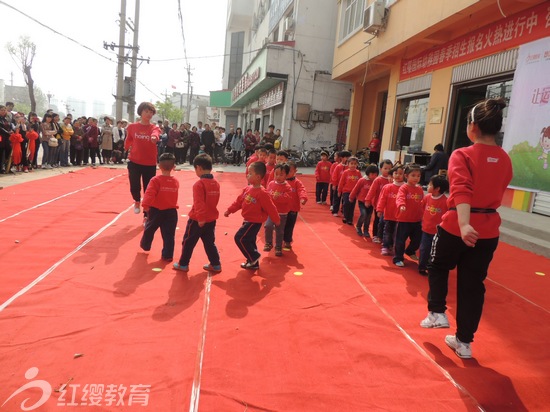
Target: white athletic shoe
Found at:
x=435, y=320
x=136, y=208
x=461, y=349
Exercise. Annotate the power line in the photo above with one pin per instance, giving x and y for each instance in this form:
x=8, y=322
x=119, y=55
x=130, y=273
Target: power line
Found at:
x=55, y=31
x=201, y=57
x=180, y=16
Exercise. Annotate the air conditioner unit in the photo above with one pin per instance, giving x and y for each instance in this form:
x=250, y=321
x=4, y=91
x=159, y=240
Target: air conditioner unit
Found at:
x=374, y=19
x=265, y=42
x=288, y=24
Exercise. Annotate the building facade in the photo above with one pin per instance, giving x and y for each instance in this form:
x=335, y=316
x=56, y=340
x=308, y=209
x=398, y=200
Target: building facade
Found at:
x=278, y=71
x=418, y=66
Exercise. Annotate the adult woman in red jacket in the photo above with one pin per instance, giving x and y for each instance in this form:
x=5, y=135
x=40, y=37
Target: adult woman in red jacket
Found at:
x=141, y=140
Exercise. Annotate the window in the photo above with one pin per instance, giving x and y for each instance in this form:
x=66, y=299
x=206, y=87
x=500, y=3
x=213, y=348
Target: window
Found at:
x=236, y=58
x=352, y=17
x=412, y=114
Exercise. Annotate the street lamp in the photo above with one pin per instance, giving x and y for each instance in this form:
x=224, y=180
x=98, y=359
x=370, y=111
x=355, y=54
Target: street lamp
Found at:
x=49, y=95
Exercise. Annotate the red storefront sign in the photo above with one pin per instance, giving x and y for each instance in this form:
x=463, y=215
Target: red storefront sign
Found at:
x=244, y=83
x=520, y=28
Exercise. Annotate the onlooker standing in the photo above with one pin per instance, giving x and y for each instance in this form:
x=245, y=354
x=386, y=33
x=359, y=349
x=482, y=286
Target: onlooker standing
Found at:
x=77, y=143
x=48, y=131
x=250, y=143
x=107, y=140
x=438, y=161
x=374, y=149
x=208, y=140
x=91, y=135
x=237, y=146
x=194, y=144
x=66, y=133
x=141, y=141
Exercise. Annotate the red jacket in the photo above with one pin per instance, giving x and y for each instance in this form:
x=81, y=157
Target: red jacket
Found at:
x=336, y=173
x=281, y=193
x=361, y=189
x=478, y=175
x=269, y=171
x=434, y=208
x=387, y=201
x=410, y=197
x=298, y=193
x=161, y=193
x=375, y=189
x=256, y=205
x=348, y=180
x=138, y=138
x=322, y=171
x=206, y=194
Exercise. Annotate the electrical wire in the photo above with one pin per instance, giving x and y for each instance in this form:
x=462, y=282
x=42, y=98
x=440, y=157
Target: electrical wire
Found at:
x=55, y=31
x=156, y=95
x=180, y=17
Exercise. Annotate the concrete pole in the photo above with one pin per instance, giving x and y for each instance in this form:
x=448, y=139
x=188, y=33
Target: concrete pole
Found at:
x=187, y=114
x=120, y=70
x=133, y=75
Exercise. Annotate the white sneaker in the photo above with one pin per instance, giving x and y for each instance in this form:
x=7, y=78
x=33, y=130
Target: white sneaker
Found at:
x=136, y=208
x=461, y=349
x=435, y=320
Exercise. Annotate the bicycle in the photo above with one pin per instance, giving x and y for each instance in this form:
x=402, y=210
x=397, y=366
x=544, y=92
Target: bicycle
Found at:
x=300, y=155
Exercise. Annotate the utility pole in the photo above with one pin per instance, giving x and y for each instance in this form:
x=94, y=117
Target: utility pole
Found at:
x=188, y=93
x=120, y=71
x=133, y=74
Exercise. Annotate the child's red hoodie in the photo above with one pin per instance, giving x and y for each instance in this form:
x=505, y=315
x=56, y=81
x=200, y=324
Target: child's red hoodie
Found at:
x=206, y=194
x=322, y=171
x=256, y=205
x=387, y=201
x=410, y=197
x=375, y=189
x=434, y=209
x=348, y=180
x=361, y=189
x=281, y=193
x=298, y=193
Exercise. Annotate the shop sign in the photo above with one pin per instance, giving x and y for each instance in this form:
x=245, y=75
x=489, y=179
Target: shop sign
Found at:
x=520, y=28
x=272, y=97
x=244, y=84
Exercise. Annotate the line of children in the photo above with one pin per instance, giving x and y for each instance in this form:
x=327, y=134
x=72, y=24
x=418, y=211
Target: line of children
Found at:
x=386, y=208
x=359, y=193
x=335, y=176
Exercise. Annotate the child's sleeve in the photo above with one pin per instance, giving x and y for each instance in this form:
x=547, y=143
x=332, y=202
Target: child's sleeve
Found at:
x=270, y=208
x=301, y=190
x=360, y=183
x=382, y=200
x=317, y=170
x=199, y=201
x=460, y=178
x=237, y=204
x=401, y=196
x=371, y=194
x=129, y=137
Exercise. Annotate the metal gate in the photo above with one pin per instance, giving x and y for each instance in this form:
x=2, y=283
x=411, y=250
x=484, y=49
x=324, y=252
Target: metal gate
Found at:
x=541, y=204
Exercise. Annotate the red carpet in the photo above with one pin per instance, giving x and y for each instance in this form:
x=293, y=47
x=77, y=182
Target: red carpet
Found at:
x=330, y=326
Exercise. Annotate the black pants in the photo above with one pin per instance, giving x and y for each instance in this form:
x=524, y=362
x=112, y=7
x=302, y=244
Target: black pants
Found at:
x=167, y=221
x=348, y=206
x=193, y=232
x=404, y=231
x=336, y=200
x=237, y=157
x=448, y=252
x=138, y=173
x=245, y=238
x=193, y=152
x=289, y=226
x=321, y=191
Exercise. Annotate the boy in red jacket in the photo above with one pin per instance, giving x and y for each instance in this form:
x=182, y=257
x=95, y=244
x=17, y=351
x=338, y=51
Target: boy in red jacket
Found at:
x=359, y=193
x=335, y=176
x=374, y=194
x=335, y=163
x=202, y=217
x=160, y=202
x=348, y=180
x=409, y=216
x=281, y=192
x=387, y=207
x=434, y=206
x=269, y=165
x=256, y=205
x=299, y=198
x=282, y=157
x=322, y=177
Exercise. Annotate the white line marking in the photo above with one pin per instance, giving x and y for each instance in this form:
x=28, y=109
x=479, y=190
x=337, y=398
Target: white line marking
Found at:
x=397, y=325
x=59, y=262
x=194, y=403
x=518, y=295
x=59, y=197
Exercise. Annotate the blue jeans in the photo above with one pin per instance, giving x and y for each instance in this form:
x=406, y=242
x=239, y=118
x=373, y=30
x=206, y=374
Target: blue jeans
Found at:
x=363, y=222
x=404, y=231
x=425, y=248
x=45, y=153
x=193, y=232
x=279, y=231
x=64, y=152
x=167, y=221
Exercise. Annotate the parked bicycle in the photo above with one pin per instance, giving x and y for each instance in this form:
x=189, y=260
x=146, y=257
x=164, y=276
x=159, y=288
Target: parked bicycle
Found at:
x=315, y=154
x=301, y=155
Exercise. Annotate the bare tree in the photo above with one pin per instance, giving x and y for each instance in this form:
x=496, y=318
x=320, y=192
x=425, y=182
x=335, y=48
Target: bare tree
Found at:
x=23, y=54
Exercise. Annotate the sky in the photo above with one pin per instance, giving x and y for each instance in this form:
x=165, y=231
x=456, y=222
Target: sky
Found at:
x=64, y=68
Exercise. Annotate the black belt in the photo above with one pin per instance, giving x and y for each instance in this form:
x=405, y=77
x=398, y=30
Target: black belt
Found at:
x=478, y=210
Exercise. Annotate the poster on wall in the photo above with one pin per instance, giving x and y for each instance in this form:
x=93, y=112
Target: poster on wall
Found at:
x=527, y=131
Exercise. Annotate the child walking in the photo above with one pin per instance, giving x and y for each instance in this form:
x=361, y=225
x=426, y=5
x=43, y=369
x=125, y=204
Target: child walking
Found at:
x=299, y=198
x=348, y=180
x=331, y=186
x=335, y=176
x=281, y=192
x=202, y=218
x=160, y=201
x=359, y=193
x=409, y=216
x=434, y=205
x=373, y=196
x=468, y=235
x=16, y=153
x=256, y=205
x=322, y=177
x=387, y=207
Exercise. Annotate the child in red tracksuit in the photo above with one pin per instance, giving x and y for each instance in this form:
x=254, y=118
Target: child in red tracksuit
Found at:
x=374, y=195
x=160, y=201
x=202, y=217
x=259, y=156
x=388, y=208
x=256, y=205
x=281, y=193
x=335, y=176
x=331, y=188
x=348, y=180
x=359, y=193
x=322, y=178
x=282, y=157
x=299, y=198
x=435, y=206
x=409, y=216
x=269, y=165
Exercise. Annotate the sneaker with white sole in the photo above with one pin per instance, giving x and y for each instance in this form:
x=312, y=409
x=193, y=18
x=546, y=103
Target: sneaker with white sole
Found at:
x=385, y=251
x=137, y=208
x=376, y=239
x=462, y=350
x=399, y=264
x=435, y=320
